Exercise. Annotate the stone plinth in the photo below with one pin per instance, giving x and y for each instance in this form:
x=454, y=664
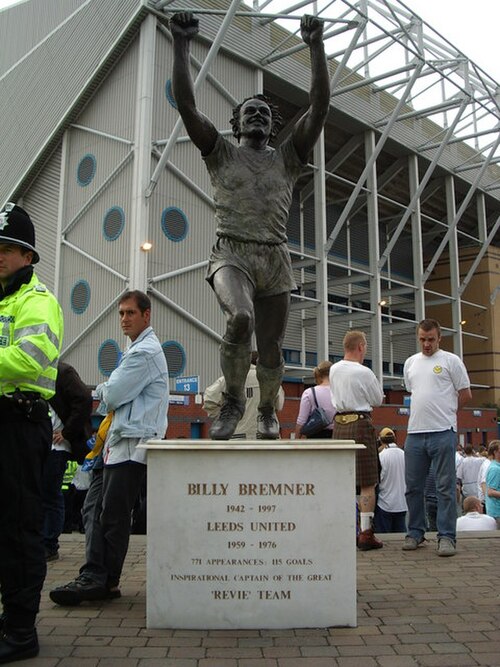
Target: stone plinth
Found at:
x=251, y=534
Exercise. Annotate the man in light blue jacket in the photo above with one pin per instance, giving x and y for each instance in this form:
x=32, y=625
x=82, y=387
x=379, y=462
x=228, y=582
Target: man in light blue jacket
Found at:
x=137, y=394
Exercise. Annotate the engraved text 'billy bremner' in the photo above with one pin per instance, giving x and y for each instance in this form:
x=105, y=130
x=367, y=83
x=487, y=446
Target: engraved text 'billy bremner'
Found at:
x=251, y=489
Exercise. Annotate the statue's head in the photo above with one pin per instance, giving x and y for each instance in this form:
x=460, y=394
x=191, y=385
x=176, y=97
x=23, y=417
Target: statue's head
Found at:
x=256, y=114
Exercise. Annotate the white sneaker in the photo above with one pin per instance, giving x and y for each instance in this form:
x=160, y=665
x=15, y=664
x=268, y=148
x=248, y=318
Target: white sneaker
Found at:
x=411, y=543
x=446, y=547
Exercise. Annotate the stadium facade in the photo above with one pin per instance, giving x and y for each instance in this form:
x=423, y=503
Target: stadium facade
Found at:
x=395, y=219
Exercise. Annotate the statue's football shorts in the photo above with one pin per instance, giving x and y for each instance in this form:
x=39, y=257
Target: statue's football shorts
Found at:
x=267, y=267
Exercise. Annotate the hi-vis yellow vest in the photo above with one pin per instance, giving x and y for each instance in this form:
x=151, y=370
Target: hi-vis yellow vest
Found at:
x=31, y=332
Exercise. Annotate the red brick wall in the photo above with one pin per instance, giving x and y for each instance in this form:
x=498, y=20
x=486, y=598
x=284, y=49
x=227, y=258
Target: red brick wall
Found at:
x=475, y=428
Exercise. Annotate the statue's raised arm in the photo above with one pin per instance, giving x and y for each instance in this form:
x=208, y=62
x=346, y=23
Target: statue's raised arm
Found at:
x=184, y=27
x=309, y=126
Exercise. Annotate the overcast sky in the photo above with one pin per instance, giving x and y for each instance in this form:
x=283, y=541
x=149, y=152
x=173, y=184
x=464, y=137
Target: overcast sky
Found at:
x=471, y=25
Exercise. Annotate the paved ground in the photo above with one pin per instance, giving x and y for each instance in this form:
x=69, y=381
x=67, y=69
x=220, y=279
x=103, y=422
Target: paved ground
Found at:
x=413, y=609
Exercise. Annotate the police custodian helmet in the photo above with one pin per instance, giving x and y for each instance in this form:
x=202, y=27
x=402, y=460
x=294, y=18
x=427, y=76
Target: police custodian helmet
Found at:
x=16, y=228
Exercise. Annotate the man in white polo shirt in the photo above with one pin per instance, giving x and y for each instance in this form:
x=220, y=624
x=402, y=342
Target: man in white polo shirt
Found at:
x=355, y=391
x=439, y=386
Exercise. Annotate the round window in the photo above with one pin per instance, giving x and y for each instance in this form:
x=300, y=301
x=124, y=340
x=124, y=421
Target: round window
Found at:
x=175, y=356
x=86, y=170
x=80, y=297
x=113, y=223
x=108, y=356
x=174, y=224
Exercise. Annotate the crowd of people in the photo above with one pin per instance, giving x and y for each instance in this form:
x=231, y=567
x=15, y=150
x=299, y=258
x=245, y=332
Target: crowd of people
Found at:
x=397, y=486
x=425, y=483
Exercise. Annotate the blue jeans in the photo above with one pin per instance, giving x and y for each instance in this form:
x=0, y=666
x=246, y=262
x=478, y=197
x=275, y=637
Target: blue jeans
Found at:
x=53, y=499
x=420, y=450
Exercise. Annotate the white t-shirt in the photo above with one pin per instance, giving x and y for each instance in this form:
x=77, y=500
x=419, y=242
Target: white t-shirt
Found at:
x=354, y=387
x=481, y=478
x=434, y=383
x=468, y=473
x=392, y=487
x=476, y=521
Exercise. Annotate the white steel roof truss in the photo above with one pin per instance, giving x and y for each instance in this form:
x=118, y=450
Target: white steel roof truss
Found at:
x=424, y=181
x=380, y=144
x=458, y=215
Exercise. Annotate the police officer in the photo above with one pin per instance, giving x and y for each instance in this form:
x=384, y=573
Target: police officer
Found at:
x=31, y=330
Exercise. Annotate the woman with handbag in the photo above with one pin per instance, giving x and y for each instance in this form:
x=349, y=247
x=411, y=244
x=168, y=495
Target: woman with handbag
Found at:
x=316, y=412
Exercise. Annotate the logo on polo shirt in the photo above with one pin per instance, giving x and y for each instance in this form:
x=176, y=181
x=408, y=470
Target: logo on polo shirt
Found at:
x=437, y=370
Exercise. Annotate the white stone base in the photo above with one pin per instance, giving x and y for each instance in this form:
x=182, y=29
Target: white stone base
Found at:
x=251, y=534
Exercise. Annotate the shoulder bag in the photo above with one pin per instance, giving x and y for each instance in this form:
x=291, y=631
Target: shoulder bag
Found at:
x=317, y=421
